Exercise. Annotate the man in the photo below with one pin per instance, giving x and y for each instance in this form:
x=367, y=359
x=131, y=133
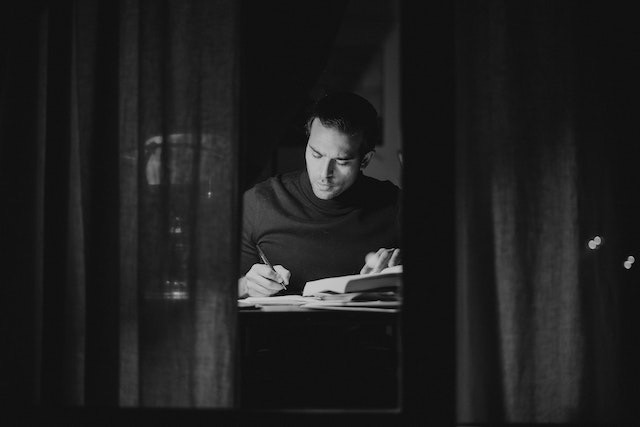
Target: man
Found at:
x=322, y=221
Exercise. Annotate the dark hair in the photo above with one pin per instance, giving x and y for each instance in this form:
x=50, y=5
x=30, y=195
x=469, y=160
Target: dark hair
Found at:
x=350, y=114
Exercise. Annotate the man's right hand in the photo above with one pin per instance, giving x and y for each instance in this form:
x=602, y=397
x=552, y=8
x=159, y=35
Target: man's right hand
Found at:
x=261, y=281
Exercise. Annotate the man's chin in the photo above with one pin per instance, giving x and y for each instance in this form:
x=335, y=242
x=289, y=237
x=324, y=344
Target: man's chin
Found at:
x=325, y=194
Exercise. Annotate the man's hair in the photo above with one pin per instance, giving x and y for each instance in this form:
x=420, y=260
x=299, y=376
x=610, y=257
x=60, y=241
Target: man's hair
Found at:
x=350, y=114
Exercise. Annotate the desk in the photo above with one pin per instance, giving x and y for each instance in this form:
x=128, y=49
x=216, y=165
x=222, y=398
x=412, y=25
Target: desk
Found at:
x=294, y=358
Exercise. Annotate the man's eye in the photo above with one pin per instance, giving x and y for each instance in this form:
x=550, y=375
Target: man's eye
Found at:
x=343, y=163
x=316, y=155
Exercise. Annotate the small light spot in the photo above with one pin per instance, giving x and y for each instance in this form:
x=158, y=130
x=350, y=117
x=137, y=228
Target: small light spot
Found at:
x=592, y=244
x=598, y=240
x=631, y=259
x=627, y=265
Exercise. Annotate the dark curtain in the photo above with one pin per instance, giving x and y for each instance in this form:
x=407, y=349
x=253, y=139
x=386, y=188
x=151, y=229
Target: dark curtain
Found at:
x=545, y=101
x=428, y=224
x=120, y=133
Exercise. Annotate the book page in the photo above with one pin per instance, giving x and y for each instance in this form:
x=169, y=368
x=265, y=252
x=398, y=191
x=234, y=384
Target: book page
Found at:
x=339, y=284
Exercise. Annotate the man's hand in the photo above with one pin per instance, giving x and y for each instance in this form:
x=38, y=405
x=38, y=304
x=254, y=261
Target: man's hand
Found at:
x=261, y=281
x=377, y=261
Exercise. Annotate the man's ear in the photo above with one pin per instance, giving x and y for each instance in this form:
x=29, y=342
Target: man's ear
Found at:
x=366, y=159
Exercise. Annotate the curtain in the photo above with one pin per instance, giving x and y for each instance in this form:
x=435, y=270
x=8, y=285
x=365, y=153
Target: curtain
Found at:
x=123, y=149
x=543, y=329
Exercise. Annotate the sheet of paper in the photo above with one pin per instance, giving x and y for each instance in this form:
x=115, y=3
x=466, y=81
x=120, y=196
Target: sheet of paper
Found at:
x=278, y=300
x=380, y=304
x=349, y=308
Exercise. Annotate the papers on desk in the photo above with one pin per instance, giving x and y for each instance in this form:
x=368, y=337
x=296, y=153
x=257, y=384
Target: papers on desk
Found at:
x=278, y=300
x=384, y=306
x=362, y=301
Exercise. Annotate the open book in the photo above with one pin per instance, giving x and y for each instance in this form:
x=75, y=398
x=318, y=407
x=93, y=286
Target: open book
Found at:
x=389, y=278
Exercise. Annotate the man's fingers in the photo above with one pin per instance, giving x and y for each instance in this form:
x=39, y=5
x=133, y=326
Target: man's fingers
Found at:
x=256, y=289
x=284, y=274
x=262, y=275
x=263, y=281
x=370, y=259
x=369, y=262
x=383, y=260
x=378, y=261
x=263, y=271
x=395, y=258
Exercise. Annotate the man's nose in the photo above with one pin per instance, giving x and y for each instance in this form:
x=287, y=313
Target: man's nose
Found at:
x=327, y=168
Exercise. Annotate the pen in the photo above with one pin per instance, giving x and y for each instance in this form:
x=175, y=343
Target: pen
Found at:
x=264, y=259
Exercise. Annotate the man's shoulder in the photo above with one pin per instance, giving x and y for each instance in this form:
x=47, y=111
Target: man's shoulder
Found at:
x=274, y=185
x=379, y=194
x=380, y=186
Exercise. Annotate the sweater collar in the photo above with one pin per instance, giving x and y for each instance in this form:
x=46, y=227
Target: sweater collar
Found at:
x=343, y=203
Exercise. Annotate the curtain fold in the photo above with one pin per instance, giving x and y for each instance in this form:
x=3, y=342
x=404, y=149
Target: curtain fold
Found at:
x=129, y=163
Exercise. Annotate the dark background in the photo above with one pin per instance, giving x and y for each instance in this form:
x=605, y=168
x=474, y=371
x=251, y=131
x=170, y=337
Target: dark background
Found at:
x=607, y=88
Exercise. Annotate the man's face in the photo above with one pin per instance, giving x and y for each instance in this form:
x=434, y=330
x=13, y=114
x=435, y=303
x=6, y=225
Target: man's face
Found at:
x=333, y=161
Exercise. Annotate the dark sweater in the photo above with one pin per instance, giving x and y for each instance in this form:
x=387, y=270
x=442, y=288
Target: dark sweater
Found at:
x=315, y=238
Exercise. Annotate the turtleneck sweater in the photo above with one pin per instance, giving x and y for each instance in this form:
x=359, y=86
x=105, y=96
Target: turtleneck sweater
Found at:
x=315, y=238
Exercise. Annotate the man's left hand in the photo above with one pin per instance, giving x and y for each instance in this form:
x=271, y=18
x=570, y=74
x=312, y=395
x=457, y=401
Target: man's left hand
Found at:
x=378, y=261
